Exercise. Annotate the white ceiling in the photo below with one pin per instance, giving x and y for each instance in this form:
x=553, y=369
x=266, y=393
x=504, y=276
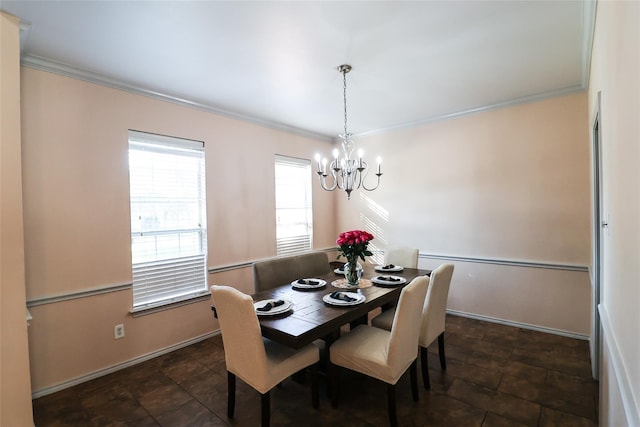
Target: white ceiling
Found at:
x=275, y=61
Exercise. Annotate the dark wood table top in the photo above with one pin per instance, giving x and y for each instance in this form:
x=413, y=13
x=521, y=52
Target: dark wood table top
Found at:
x=311, y=318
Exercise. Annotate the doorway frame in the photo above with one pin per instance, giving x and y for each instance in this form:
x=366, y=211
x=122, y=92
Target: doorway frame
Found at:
x=598, y=227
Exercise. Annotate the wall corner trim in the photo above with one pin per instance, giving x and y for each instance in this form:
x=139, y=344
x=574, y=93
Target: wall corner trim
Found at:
x=507, y=262
x=629, y=401
x=83, y=293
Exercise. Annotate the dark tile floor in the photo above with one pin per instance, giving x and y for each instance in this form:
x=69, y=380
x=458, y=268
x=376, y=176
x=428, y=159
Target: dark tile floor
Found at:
x=496, y=376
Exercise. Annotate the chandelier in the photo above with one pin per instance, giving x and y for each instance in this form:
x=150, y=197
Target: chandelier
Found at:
x=346, y=173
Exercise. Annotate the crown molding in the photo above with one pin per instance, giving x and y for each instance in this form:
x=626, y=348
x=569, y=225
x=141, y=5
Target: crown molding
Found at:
x=589, y=8
x=25, y=28
x=60, y=68
x=488, y=107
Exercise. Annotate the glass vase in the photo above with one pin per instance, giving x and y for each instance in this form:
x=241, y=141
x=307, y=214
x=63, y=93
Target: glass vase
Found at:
x=353, y=273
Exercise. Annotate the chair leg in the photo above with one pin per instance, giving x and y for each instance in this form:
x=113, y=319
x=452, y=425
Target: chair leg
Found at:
x=413, y=371
x=424, y=361
x=359, y=321
x=266, y=409
x=443, y=361
x=391, y=403
x=334, y=382
x=231, y=394
x=315, y=398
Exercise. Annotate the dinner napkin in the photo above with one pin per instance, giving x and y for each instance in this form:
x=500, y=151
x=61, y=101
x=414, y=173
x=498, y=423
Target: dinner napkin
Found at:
x=271, y=304
x=389, y=278
x=388, y=267
x=308, y=282
x=342, y=296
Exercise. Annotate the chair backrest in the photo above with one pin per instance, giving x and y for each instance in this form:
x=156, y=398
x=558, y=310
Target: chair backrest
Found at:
x=244, y=350
x=403, y=341
x=313, y=264
x=402, y=256
x=275, y=272
x=435, y=304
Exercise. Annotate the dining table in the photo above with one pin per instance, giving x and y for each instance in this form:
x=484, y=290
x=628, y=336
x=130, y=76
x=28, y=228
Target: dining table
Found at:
x=311, y=316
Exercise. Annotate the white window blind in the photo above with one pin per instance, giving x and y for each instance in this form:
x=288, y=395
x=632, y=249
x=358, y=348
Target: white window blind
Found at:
x=294, y=223
x=168, y=219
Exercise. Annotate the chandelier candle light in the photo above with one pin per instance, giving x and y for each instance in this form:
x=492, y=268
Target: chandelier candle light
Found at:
x=347, y=173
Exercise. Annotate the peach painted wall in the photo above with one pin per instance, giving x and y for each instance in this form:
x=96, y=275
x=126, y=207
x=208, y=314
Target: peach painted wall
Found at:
x=511, y=184
x=615, y=73
x=76, y=215
x=15, y=388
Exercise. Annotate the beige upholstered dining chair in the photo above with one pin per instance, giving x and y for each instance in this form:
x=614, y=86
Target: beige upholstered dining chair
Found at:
x=313, y=264
x=384, y=355
x=279, y=271
x=259, y=362
x=433, y=318
x=274, y=272
x=402, y=256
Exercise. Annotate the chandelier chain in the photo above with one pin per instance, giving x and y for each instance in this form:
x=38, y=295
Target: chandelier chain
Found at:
x=344, y=91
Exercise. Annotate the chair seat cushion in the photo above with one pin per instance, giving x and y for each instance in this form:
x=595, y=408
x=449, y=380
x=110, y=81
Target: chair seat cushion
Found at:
x=365, y=350
x=282, y=362
x=384, y=320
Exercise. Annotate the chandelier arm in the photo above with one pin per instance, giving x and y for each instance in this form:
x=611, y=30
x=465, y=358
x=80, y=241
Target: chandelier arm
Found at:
x=348, y=182
x=364, y=186
x=340, y=180
x=361, y=170
x=324, y=186
x=372, y=188
x=338, y=172
x=323, y=180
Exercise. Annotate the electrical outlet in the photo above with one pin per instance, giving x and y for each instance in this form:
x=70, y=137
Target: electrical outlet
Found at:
x=118, y=331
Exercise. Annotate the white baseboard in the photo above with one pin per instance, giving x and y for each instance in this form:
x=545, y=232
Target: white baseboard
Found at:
x=519, y=325
x=105, y=371
x=631, y=406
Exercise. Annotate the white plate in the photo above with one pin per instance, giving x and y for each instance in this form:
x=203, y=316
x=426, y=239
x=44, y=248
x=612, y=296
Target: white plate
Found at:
x=320, y=284
x=395, y=268
x=380, y=281
x=332, y=301
x=275, y=310
x=341, y=269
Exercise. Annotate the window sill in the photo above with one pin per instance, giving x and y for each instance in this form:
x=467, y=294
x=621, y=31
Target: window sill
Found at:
x=145, y=310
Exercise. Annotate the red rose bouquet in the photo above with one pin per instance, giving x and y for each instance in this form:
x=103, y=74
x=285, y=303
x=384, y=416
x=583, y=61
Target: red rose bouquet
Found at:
x=353, y=245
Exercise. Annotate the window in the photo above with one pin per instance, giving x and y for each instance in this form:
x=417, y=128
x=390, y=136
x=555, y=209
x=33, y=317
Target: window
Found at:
x=294, y=224
x=168, y=219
